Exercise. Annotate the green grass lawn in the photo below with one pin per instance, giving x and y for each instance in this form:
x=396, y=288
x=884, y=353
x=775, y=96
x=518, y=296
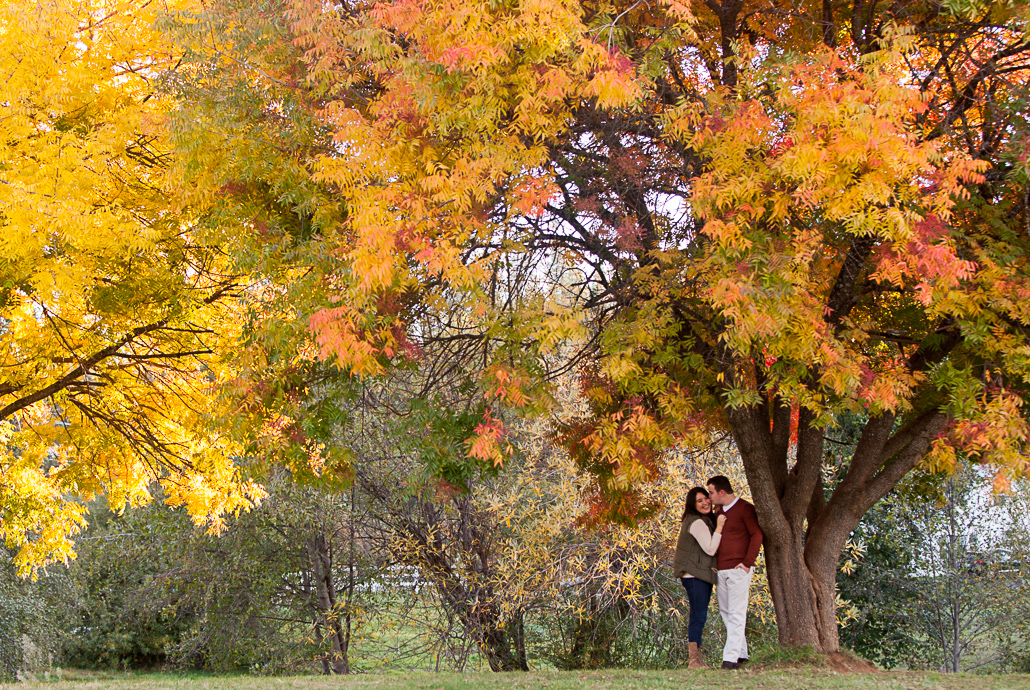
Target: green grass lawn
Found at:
x=797, y=678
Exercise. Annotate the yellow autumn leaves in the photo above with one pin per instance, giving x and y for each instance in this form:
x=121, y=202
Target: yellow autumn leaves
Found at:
x=110, y=306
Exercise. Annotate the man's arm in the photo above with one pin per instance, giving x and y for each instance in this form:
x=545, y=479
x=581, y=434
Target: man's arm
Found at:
x=755, y=541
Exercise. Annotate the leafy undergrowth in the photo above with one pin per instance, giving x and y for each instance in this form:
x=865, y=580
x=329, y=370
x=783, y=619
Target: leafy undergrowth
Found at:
x=791, y=677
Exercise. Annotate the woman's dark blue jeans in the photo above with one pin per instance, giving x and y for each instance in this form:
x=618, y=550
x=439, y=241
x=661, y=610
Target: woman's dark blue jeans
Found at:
x=699, y=593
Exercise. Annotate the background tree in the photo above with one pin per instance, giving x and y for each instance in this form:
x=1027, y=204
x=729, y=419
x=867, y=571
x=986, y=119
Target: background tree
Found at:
x=941, y=578
x=882, y=631
x=975, y=575
x=282, y=590
x=32, y=617
x=113, y=612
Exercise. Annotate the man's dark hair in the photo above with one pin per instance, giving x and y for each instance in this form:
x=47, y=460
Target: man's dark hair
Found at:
x=720, y=483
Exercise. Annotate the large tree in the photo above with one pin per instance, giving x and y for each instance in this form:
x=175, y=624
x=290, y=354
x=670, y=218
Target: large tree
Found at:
x=113, y=311
x=731, y=215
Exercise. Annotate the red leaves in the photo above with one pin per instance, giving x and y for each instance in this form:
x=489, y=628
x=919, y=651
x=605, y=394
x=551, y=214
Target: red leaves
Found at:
x=928, y=260
x=486, y=441
x=406, y=240
x=506, y=385
x=619, y=62
x=532, y=196
x=714, y=123
x=341, y=339
x=781, y=146
x=628, y=236
x=621, y=506
x=234, y=188
x=445, y=490
x=930, y=229
x=398, y=106
x=402, y=15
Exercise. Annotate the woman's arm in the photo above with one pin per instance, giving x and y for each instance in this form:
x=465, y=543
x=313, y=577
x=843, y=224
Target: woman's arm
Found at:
x=709, y=542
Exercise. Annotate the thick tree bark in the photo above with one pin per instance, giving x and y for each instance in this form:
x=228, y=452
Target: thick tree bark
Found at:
x=805, y=531
x=790, y=585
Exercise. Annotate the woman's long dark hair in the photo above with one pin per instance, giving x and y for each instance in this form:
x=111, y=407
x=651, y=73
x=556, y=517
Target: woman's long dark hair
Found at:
x=691, y=505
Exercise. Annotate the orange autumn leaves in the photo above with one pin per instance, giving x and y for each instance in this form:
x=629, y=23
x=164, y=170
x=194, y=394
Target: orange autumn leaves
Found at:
x=469, y=93
x=836, y=158
x=452, y=152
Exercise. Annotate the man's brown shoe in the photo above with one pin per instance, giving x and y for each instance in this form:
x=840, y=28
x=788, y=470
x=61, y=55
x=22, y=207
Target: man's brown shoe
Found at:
x=729, y=665
x=741, y=662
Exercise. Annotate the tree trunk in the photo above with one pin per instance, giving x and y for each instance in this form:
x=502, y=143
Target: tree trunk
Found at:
x=805, y=528
x=453, y=551
x=336, y=659
x=793, y=593
x=954, y=587
x=519, y=632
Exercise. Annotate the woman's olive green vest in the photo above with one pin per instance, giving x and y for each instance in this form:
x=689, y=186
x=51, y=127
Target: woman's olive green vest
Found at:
x=690, y=557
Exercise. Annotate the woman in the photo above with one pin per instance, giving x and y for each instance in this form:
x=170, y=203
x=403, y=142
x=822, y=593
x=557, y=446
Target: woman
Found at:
x=695, y=564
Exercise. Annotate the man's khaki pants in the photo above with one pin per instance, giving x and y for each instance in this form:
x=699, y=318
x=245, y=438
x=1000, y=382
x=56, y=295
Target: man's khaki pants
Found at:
x=733, y=591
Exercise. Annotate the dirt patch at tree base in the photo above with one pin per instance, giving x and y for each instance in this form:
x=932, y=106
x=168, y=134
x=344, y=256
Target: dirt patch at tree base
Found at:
x=835, y=662
x=846, y=663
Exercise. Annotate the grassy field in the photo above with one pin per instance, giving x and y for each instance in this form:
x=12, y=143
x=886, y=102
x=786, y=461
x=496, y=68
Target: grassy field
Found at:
x=799, y=678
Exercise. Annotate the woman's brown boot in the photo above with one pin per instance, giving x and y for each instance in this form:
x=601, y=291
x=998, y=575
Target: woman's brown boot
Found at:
x=695, y=664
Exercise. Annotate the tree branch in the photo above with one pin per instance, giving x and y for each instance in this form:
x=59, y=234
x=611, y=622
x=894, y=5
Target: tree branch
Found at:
x=79, y=371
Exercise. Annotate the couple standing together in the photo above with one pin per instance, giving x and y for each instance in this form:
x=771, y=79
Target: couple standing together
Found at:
x=717, y=548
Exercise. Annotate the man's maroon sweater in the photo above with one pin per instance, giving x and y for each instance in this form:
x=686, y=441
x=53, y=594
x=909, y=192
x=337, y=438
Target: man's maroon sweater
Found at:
x=741, y=537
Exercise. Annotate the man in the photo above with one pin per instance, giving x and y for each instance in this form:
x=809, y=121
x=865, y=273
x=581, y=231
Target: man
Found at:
x=735, y=561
